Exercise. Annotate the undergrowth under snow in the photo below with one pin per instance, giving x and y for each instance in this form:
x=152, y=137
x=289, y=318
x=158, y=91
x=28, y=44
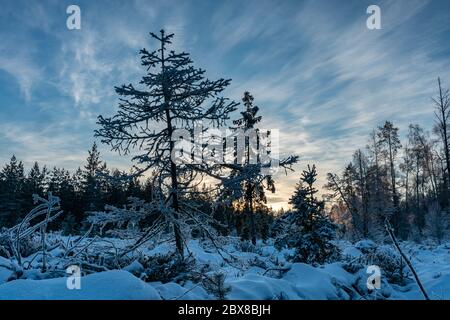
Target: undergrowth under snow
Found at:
x=250, y=272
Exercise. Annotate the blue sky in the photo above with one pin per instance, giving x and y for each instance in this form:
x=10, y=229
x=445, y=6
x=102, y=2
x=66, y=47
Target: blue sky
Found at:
x=317, y=73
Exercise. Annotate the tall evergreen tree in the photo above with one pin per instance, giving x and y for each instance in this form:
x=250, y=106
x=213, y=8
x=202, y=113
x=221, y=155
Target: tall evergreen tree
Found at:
x=116, y=189
x=93, y=184
x=35, y=183
x=77, y=210
x=309, y=230
x=12, y=197
x=174, y=95
x=252, y=188
x=36, y=180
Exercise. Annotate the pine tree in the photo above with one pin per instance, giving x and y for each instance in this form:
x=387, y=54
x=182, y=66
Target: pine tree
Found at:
x=93, y=183
x=116, y=189
x=310, y=232
x=215, y=284
x=12, y=197
x=35, y=183
x=36, y=180
x=62, y=186
x=77, y=212
x=251, y=189
x=362, y=189
x=134, y=188
x=174, y=95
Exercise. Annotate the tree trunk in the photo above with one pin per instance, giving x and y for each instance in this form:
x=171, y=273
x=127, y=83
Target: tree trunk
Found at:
x=444, y=134
x=363, y=196
x=173, y=169
x=252, y=218
x=395, y=199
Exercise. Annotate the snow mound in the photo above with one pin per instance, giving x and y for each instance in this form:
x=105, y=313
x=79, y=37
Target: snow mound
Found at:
x=263, y=274
x=110, y=285
x=302, y=282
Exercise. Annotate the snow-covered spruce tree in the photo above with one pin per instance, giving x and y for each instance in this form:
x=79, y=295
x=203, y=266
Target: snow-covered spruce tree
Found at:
x=173, y=95
x=308, y=230
x=254, y=164
x=36, y=180
x=250, y=193
x=93, y=180
x=35, y=183
x=215, y=285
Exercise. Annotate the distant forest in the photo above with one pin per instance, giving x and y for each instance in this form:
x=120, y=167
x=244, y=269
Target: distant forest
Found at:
x=91, y=187
x=406, y=182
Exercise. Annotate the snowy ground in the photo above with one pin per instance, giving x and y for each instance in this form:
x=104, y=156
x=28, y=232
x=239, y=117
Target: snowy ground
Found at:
x=251, y=276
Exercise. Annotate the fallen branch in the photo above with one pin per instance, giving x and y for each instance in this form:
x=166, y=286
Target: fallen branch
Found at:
x=280, y=270
x=397, y=246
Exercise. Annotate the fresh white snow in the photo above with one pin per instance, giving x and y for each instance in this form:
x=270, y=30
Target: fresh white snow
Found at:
x=250, y=276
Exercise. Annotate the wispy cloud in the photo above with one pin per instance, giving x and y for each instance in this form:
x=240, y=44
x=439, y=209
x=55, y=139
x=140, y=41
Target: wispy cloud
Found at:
x=24, y=72
x=317, y=73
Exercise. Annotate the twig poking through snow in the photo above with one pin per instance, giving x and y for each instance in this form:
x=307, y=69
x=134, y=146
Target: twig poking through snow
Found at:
x=397, y=246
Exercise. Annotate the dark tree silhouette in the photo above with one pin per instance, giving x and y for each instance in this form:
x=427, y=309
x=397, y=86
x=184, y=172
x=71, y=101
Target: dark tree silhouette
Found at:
x=174, y=95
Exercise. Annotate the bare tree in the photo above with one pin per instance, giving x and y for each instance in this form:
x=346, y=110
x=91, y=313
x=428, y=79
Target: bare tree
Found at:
x=390, y=144
x=442, y=113
x=361, y=163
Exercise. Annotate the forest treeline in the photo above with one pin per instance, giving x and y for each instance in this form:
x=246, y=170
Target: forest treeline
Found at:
x=86, y=189
x=93, y=186
x=406, y=182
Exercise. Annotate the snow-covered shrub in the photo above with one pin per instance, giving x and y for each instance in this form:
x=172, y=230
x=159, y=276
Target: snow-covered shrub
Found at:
x=390, y=262
x=437, y=223
x=166, y=268
x=215, y=285
x=135, y=268
x=29, y=245
x=257, y=262
x=30, y=235
x=366, y=246
x=361, y=291
x=352, y=265
x=124, y=222
x=280, y=296
x=246, y=246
